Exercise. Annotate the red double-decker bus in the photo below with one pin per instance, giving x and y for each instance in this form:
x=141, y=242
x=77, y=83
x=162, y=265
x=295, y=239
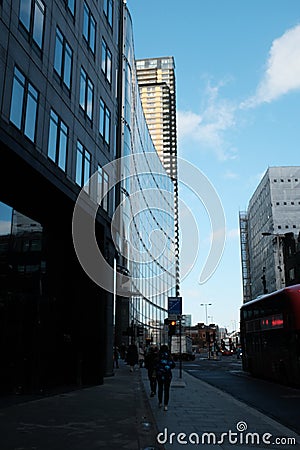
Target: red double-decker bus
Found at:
x=270, y=336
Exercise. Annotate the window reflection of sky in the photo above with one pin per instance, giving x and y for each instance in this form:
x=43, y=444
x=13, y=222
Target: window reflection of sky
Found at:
x=5, y=218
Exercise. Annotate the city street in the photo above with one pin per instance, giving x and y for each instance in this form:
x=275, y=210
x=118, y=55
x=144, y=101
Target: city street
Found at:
x=276, y=401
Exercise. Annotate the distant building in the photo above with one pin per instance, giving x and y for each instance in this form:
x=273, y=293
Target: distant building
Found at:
x=273, y=213
x=156, y=80
x=202, y=334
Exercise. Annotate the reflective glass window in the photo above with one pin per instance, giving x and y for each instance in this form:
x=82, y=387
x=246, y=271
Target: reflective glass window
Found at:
x=17, y=98
x=71, y=6
x=58, y=54
x=58, y=140
x=30, y=113
x=108, y=11
x=63, y=57
x=106, y=61
x=24, y=102
x=86, y=94
x=102, y=117
x=104, y=122
x=89, y=27
x=32, y=18
x=79, y=159
x=38, y=22
x=83, y=166
x=103, y=186
x=25, y=13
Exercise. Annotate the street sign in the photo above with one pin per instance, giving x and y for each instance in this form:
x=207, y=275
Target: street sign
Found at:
x=172, y=316
x=174, y=306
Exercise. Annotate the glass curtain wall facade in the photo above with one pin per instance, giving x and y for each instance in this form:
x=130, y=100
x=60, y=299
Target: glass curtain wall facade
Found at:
x=157, y=86
x=69, y=106
x=148, y=240
x=58, y=125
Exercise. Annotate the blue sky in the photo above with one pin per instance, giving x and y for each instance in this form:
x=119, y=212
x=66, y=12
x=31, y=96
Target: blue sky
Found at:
x=238, y=103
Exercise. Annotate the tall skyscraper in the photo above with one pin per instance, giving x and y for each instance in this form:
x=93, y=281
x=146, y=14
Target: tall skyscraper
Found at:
x=272, y=215
x=156, y=80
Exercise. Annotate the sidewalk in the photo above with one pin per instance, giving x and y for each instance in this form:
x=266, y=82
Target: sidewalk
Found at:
x=115, y=415
x=197, y=407
x=121, y=415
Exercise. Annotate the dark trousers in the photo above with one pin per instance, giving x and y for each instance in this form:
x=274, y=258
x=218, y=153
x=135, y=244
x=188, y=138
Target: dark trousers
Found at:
x=152, y=381
x=163, y=389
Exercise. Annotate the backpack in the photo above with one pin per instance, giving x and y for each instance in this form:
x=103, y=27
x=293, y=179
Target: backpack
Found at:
x=164, y=366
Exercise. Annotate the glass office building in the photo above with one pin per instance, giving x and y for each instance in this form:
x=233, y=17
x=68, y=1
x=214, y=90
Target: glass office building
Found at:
x=69, y=107
x=148, y=242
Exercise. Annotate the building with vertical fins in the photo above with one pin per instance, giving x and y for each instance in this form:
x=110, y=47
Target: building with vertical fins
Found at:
x=157, y=85
x=266, y=227
x=69, y=107
x=152, y=267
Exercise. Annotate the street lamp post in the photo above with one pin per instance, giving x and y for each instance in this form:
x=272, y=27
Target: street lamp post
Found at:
x=205, y=305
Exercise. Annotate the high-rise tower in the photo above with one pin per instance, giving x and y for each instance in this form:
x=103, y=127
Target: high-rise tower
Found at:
x=156, y=79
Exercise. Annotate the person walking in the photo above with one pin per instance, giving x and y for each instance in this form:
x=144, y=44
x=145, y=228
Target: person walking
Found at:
x=141, y=356
x=151, y=359
x=132, y=357
x=163, y=368
x=116, y=356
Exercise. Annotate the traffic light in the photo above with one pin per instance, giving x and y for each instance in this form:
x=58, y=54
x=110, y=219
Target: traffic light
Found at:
x=172, y=327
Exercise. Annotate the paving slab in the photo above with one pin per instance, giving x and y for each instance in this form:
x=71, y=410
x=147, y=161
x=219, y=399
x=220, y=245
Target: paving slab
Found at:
x=202, y=415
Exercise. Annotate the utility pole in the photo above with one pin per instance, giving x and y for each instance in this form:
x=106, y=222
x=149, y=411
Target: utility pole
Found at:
x=206, y=305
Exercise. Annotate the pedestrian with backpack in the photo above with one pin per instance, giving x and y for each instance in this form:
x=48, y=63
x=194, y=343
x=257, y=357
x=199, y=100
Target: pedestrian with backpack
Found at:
x=164, y=366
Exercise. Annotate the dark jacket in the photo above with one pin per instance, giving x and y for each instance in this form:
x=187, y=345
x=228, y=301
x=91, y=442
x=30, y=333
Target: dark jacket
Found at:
x=151, y=359
x=132, y=355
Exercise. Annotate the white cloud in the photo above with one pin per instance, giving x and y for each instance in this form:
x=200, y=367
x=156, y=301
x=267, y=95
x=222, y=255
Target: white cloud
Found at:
x=208, y=127
x=229, y=175
x=230, y=234
x=282, y=73
x=234, y=233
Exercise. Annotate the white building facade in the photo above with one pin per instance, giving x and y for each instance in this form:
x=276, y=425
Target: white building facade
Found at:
x=273, y=211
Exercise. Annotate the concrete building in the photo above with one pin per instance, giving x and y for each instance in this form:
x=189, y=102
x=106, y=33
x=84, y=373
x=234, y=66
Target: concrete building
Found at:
x=66, y=90
x=273, y=213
